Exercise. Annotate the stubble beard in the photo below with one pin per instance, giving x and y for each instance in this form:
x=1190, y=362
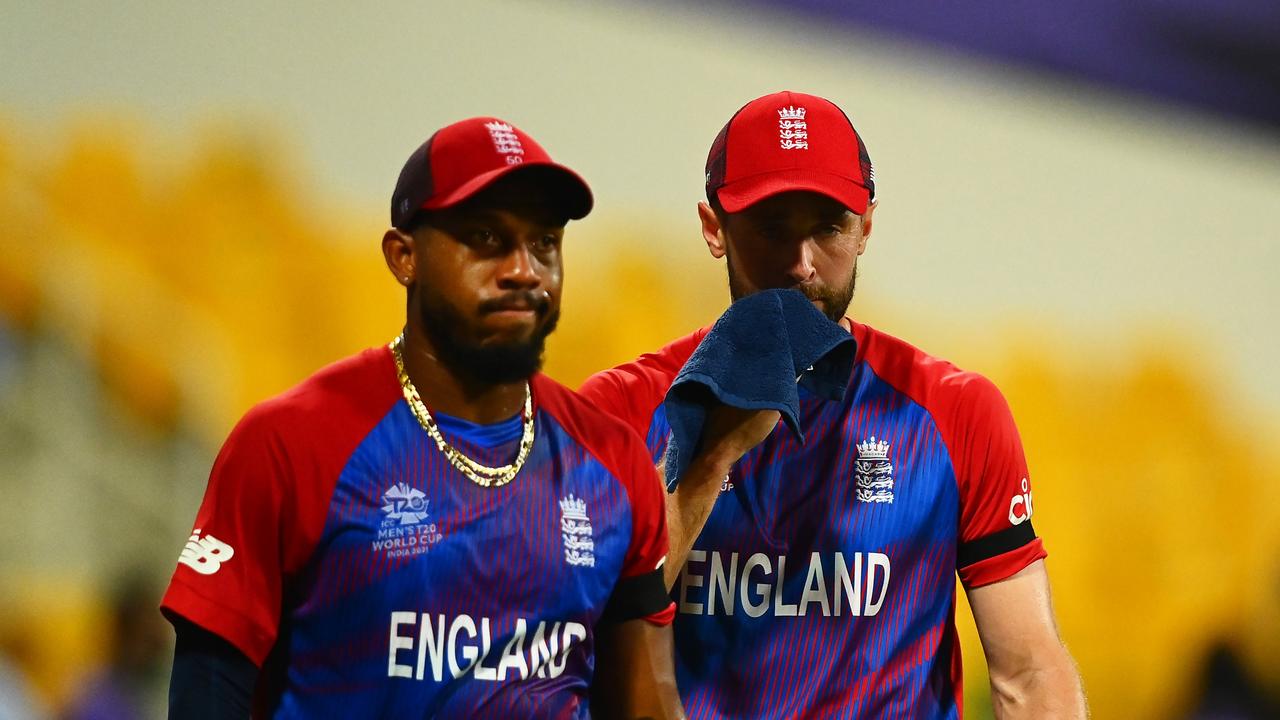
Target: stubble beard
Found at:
x=835, y=303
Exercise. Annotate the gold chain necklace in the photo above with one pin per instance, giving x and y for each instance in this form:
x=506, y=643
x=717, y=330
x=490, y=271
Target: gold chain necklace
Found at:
x=482, y=475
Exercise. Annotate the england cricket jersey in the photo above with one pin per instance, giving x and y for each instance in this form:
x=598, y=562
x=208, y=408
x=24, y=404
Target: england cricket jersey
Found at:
x=823, y=584
x=338, y=548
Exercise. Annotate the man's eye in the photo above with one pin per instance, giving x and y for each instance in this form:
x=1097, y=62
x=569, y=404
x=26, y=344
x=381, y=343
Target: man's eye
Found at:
x=828, y=231
x=549, y=242
x=484, y=236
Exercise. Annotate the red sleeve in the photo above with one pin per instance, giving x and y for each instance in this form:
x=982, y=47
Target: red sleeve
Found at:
x=640, y=591
x=230, y=574
x=996, y=537
x=268, y=496
x=648, y=549
x=632, y=391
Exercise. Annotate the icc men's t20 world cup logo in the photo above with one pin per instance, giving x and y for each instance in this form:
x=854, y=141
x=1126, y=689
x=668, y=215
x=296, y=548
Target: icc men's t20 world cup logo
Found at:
x=405, y=529
x=404, y=505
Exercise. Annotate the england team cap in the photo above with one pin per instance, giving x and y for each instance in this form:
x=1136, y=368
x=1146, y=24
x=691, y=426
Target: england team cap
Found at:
x=462, y=159
x=789, y=141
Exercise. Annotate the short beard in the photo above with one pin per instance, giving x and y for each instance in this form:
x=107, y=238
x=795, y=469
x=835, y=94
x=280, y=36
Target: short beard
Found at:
x=445, y=327
x=835, y=303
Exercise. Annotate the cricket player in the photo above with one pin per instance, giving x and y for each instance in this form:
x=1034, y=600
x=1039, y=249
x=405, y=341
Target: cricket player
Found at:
x=818, y=580
x=432, y=528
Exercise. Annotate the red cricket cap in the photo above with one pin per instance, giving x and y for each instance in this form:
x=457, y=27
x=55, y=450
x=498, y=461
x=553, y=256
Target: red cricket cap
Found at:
x=789, y=141
x=462, y=159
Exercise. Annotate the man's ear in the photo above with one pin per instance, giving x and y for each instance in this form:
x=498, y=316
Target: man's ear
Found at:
x=866, y=226
x=712, y=232
x=399, y=249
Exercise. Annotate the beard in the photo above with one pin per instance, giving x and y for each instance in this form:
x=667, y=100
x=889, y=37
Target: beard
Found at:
x=835, y=301
x=447, y=329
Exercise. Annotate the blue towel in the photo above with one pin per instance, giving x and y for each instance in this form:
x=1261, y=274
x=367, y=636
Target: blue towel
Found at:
x=753, y=358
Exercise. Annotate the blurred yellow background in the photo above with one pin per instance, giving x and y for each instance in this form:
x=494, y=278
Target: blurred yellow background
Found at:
x=190, y=211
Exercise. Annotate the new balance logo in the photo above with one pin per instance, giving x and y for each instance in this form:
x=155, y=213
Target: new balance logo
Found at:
x=205, y=554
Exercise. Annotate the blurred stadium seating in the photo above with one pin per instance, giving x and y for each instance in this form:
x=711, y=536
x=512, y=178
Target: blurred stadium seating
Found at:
x=144, y=307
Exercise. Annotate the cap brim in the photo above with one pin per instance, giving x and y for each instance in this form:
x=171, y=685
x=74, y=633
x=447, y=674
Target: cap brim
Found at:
x=566, y=186
x=741, y=194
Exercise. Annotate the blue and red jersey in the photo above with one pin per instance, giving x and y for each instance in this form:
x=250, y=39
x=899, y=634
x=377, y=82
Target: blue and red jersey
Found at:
x=339, y=549
x=823, y=584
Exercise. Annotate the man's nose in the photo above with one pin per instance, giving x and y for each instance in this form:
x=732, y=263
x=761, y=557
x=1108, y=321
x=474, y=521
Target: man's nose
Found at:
x=800, y=263
x=519, y=269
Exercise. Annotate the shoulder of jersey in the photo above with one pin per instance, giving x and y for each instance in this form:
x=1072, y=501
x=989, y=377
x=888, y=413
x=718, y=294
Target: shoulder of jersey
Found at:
x=672, y=356
x=652, y=372
x=931, y=382
x=603, y=435
x=355, y=391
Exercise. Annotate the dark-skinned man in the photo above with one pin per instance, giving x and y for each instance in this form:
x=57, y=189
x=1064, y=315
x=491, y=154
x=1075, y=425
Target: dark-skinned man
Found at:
x=432, y=528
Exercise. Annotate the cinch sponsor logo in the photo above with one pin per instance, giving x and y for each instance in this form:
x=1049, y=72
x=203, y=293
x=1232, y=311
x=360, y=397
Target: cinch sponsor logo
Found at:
x=832, y=585
x=205, y=554
x=1020, y=506
x=461, y=646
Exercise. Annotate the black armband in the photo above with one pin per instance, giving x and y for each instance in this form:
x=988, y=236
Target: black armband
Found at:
x=997, y=543
x=636, y=597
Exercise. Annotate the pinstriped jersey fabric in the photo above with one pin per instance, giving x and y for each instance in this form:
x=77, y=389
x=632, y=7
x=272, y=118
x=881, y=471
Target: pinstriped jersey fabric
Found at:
x=475, y=586
x=339, y=549
x=801, y=600
x=823, y=583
